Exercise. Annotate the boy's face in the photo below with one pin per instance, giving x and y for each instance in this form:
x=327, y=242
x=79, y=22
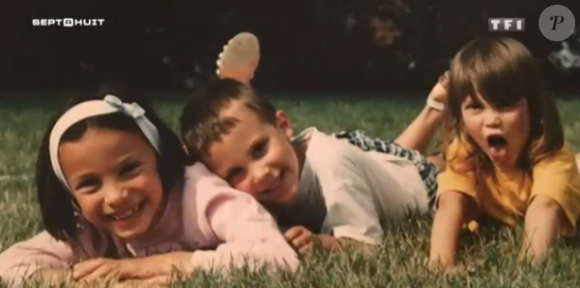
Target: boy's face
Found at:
x=256, y=157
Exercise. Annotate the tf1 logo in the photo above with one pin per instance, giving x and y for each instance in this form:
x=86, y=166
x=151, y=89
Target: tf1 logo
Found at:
x=507, y=24
x=557, y=23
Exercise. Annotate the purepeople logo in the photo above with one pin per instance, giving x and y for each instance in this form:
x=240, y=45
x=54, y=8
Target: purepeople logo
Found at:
x=68, y=22
x=556, y=23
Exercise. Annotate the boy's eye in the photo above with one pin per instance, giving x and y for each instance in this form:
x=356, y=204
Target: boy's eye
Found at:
x=259, y=149
x=130, y=168
x=233, y=174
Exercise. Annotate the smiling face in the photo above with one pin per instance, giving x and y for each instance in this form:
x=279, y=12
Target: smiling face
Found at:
x=114, y=178
x=501, y=133
x=256, y=157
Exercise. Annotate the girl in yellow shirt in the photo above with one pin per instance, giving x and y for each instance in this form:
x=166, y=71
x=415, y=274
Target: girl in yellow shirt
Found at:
x=506, y=154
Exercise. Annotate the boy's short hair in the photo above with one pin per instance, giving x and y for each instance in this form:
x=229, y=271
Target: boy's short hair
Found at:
x=200, y=121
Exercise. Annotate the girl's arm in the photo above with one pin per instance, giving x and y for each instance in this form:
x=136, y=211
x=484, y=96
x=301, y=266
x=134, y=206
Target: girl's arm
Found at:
x=42, y=256
x=249, y=234
x=455, y=209
x=245, y=232
x=555, y=203
x=542, y=224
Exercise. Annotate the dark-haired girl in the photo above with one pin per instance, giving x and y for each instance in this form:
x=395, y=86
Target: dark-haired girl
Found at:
x=118, y=198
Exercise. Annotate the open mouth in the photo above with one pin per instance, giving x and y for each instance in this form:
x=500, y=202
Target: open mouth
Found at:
x=496, y=141
x=498, y=148
x=121, y=216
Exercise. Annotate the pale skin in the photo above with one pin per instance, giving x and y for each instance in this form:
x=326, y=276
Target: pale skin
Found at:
x=542, y=222
x=303, y=240
x=417, y=136
x=543, y=217
x=122, y=167
x=151, y=270
x=419, y=133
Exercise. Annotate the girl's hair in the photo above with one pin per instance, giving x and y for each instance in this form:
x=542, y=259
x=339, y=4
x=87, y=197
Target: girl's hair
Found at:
x=503, y=72
x=56, y=202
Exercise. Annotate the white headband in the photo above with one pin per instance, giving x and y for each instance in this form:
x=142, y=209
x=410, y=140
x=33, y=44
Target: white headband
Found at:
x=110, y=104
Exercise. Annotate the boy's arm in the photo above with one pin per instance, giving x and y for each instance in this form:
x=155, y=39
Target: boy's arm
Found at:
x=361, y=195
x=302, y=240
x=352, y=214
x=418, y=134
x=455, y=209
x=349, y=244
x=542, y=224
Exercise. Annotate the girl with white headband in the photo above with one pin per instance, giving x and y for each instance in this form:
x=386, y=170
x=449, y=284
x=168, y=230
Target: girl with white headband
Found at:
x=118, y=197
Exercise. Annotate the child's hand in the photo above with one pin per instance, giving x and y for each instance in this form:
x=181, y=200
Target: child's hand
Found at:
x=454, y=210
x=136, y=268
x=157, y=281
x=439, y=91
x=542, y=224
x=299, y=238
x=302, y=240
x=450, y=270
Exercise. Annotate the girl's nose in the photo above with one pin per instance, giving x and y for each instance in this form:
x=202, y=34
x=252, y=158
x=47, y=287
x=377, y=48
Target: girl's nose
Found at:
x=116, y=196
x=492, y=119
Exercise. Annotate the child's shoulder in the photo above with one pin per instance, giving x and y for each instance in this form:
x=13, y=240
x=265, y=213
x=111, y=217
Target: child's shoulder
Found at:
x=201, y=186
x=458, y=148
x=565, y=156
x=325, y=149
x=458, y=152
x=330, y=155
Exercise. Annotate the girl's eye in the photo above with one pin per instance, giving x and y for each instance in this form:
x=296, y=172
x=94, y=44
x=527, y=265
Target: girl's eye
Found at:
x=260, y=148
x=507, y=108
x=87, y=185
x=473, y=106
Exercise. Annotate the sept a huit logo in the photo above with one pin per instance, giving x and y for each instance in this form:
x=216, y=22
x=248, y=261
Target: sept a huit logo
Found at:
x=68, y=22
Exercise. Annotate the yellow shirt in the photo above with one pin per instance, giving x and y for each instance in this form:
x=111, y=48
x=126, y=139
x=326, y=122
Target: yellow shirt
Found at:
x=507, y=199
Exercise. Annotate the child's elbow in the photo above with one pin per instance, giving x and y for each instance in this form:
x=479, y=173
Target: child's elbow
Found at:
x=545, y=206
x=457, y=203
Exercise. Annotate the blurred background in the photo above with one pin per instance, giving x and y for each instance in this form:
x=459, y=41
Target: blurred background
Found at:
x=307, y=45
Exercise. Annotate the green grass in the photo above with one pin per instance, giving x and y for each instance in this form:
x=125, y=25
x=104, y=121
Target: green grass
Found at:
x=492, y=259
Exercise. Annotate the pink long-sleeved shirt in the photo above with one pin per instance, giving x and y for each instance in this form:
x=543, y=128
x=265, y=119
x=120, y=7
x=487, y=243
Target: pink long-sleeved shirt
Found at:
x=224, y=228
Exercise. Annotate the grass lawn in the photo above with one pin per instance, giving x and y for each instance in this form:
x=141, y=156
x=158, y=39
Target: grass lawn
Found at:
x=491, y=259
